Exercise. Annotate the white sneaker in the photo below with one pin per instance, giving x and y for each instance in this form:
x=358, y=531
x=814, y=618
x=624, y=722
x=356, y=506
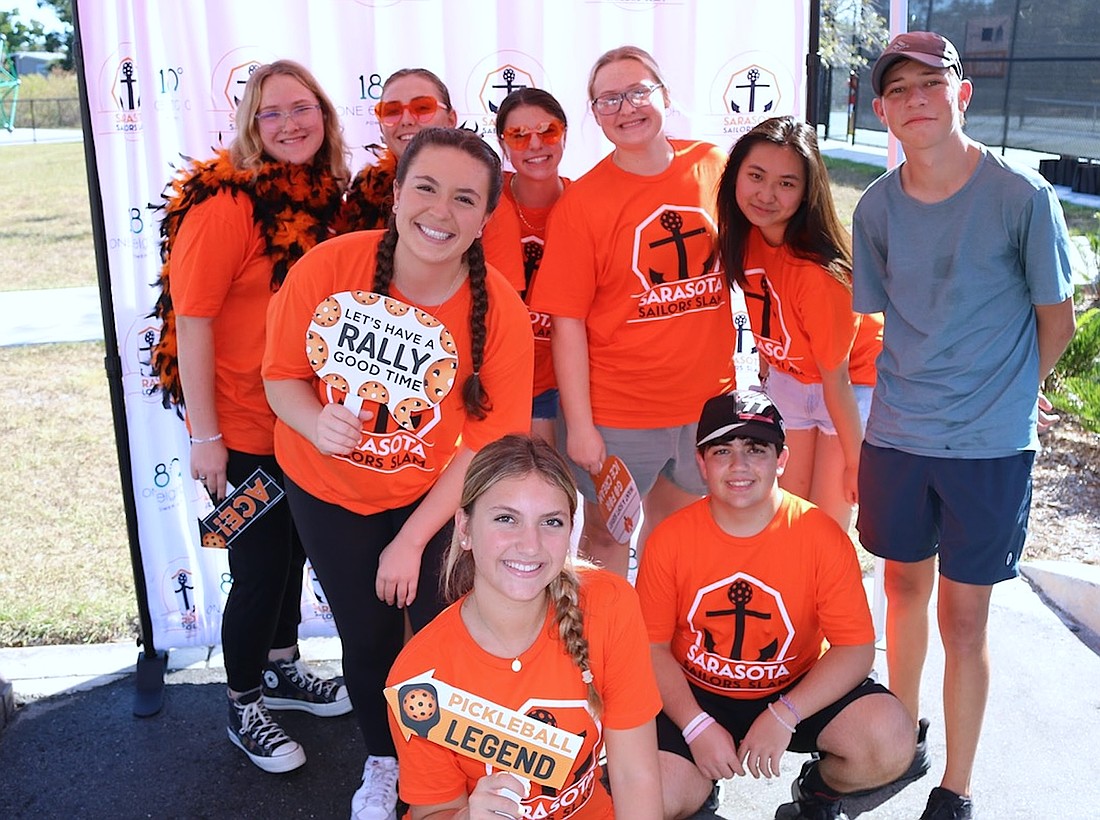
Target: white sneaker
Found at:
x=376, y=799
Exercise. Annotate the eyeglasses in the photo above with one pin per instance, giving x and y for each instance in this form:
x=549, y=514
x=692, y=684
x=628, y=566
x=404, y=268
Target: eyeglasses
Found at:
x=637, y=97
x=275, y=120
x=422, y=108
x=518, y=137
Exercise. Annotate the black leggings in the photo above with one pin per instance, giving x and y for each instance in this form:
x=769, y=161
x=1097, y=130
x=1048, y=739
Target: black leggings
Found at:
x=343, y=548
x=265, y=560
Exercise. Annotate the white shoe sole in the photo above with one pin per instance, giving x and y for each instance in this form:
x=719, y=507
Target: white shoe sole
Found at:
x=273, y=765
x=332, y=709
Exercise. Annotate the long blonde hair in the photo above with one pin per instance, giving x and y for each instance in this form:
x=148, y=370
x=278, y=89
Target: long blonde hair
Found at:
x=246, y=150
x=518, y=456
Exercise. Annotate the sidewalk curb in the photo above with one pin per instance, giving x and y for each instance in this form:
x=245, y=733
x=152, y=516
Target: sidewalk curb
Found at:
x=1074, y=589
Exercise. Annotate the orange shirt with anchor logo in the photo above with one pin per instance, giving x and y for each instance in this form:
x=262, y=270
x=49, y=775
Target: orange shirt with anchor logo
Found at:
x=635, y=257
x=746, y=617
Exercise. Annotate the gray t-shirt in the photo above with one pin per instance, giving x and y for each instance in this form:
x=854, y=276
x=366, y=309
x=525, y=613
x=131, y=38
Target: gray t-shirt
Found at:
x=957, y=281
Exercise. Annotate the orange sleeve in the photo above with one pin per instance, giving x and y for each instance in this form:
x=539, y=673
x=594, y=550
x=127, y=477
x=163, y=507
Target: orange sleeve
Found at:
x=215, y=241
x=656, y=584
x=629, y=689
x=842, y=609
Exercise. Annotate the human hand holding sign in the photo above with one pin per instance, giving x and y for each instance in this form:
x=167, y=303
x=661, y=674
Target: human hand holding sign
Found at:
x=498, y=795
x=618, y=499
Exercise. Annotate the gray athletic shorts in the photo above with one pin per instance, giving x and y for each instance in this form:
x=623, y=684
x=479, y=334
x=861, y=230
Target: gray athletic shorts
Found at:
x=660, y=451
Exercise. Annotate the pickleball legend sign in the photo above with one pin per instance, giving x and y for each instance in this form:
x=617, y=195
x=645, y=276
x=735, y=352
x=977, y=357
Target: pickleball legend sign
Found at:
x=379, y=349
x=479, y=729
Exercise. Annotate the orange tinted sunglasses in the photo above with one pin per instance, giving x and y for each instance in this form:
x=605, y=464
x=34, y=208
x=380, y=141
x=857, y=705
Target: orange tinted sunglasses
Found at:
x=422, y=108
x=518, y=137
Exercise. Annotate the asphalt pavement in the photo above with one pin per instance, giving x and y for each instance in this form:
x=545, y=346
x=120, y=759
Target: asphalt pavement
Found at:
x=73, y=751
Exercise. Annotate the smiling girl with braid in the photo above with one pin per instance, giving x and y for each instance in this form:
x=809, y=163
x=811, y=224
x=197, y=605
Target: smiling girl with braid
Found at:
x=374, y=495
x=533, y=631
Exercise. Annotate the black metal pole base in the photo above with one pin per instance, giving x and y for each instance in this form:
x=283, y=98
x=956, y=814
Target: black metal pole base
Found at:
x=149, y=684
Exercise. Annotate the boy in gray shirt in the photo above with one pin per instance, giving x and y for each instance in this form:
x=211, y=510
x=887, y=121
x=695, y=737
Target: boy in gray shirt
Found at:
x=967, y=257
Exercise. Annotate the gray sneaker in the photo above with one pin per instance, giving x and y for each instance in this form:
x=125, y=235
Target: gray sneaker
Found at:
x=291, y=685
x=254, y=732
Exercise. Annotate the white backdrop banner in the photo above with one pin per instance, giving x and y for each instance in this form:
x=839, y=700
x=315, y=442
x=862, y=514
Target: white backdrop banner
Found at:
x=164, y=77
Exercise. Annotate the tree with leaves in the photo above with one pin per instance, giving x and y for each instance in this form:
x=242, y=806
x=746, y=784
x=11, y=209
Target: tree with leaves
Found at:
x=852, y=32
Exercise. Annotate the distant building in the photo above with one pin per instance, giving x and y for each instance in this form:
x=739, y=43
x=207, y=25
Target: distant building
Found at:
x=36, y=62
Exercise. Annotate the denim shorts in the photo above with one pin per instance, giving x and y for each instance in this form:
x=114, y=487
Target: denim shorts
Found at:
x=545, y=405
x=972, y=513
x=803, y=405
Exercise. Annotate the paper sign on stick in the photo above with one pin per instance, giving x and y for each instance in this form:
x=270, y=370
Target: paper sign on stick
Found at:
x=479, y=729
x=240, y=508
x=618, y=498
x=378, y=349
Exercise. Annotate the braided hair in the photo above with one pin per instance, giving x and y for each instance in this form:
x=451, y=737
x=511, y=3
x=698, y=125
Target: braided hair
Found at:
x=474, y=396
x=518, y=456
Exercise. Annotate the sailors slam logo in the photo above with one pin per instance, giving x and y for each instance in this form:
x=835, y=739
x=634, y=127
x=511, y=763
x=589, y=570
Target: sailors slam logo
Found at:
x=675, y=260
x=748, y=90
x=492, y=79
x=121, y=90
x=743, y=634
x=546, y=801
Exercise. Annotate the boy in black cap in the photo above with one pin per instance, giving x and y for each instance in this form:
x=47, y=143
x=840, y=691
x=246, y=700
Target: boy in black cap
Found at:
x=967, y=257
x=741, y=592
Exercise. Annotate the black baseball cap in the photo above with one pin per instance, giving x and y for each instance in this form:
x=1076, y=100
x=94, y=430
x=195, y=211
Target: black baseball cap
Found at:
x=740, y=414
x=923, y=46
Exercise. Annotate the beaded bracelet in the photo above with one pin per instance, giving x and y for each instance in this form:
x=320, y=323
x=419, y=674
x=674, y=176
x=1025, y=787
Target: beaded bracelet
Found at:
x=702, y=726
x=786, y=701
x=779, y=717
x=215, y=437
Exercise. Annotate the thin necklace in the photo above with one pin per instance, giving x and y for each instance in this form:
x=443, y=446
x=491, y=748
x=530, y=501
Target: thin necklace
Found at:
x=517, y=664
x=519, y=208
x=450, y=289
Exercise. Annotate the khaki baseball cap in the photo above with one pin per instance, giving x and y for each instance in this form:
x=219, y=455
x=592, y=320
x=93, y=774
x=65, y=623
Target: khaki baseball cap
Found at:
x=923, y=46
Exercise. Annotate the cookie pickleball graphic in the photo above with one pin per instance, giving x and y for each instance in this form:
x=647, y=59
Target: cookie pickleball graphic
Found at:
x=419, y=707
x=378, y=349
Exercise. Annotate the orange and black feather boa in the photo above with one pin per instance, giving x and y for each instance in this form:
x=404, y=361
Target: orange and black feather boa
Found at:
x=294, y=206
x=370, y=195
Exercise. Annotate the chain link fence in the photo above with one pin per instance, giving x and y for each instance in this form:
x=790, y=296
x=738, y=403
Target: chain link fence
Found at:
x=1035, y=66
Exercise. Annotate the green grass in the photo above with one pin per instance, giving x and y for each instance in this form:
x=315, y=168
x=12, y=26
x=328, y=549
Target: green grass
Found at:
x=848, y=179
x=45, y=220
x=65, y=572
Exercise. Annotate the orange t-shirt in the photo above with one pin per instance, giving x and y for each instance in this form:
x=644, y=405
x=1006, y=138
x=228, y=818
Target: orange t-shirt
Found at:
x=748, y=616
x=515, y=248
x=220, y=271
x=635, y=257
x=394, y=467
x=549, y=683
x=802, y=317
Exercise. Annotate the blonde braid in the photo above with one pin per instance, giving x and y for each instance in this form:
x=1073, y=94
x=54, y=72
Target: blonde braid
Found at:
x=565, y=593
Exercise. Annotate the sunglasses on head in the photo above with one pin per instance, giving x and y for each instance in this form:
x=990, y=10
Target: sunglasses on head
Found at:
x=389, y=112
x=518, y=137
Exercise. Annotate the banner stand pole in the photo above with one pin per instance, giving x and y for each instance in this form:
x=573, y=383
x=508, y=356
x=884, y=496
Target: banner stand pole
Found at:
x=151, y=664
